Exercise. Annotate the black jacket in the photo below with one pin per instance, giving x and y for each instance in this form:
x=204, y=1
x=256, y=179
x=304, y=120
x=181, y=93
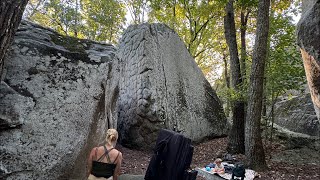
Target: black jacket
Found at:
x=172, y=157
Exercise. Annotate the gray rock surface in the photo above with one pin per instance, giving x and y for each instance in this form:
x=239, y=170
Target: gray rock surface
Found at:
x=59, y=95
x=297, y=115
x=51, y=104
x=11, y=114
x=308, y=34
x=160, y=86
x=296, y=140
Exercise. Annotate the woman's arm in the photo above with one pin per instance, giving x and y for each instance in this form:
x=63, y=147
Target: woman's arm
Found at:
x=218, y=169
x=117, y=170
x=89, y=163
x=221, y=170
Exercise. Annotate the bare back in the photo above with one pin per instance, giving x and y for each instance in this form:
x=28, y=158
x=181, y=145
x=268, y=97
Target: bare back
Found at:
x=113, y=155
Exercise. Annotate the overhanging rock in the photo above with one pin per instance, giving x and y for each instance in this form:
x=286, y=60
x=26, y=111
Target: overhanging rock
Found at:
x=308, y=35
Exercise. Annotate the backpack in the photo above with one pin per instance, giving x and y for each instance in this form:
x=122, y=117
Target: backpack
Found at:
x=239, y=171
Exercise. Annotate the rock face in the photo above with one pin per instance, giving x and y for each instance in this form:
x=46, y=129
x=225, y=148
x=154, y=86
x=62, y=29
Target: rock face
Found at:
x=298, y=115
x=51, y=104
x=308, y=32
x=160, y=86
x=60, y=94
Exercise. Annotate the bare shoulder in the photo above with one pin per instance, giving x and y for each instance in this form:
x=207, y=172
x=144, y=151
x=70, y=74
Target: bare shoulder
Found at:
x=93, y=150
x=119, y=156
x=115, y=151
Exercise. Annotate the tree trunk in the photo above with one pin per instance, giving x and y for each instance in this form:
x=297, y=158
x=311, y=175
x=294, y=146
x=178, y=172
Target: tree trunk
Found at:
x=253, y=142
x=174, y=15
x=227, y=79
x=76, y=21
x=243, y=30
x=10, y=16
x=226, y=76
x=236, y=135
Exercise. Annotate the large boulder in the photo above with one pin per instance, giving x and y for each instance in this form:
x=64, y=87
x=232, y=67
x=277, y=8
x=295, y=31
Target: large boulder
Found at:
x=308, y=32
x=161, y=86
x=294, y=140
x=51, y=104
x=297, y=115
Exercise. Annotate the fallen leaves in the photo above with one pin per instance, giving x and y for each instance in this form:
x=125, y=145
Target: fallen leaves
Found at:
x=136, y=162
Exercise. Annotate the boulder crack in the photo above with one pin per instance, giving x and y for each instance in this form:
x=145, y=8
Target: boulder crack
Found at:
x=146, y=70
x=21, y=91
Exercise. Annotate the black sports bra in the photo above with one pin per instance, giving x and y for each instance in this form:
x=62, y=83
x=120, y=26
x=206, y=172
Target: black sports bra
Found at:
x=101, y=169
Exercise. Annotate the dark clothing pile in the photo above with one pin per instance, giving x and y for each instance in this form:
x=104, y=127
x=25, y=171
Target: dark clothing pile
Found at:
x=172, y=158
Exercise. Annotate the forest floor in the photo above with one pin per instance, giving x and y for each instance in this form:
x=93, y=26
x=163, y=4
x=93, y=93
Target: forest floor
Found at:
x=282, y=163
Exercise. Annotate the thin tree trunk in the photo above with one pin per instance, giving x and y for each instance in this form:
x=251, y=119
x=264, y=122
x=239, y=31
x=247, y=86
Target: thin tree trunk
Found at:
x=226, y=76
x=227, y=79
x=174, y=15
x=253, y=142
x=243, y=31
x=76, y=21
x=272, y=117
x=236, y=135
x=10, y=16
x=273, y=101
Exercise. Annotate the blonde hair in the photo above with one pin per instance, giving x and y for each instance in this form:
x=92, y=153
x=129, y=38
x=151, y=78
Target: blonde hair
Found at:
x=218, y=160
x=112, y=137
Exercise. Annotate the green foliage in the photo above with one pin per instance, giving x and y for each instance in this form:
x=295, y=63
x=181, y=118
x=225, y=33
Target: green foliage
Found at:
x=231, y=95
x=57, y=14
x=99, y=20
x=103, y=19
x=137, y=9
x=198, y=23
x=285, y=69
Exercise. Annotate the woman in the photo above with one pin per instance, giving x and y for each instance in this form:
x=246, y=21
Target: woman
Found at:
x=104, y=161
x=218, y=168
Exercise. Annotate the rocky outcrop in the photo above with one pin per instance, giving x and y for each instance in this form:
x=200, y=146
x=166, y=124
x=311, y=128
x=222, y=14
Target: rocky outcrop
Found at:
x=160, y=86
x=296, y=140
x=51, y=104
x=297, y=115
x=308, y=32
x=60, y=94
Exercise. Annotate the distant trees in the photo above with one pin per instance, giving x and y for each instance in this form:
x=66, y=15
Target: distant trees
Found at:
x=284, y=68
x=138, y=10
x=281, y=56
x=90, y=19
x=103, y=20
x=198, y=23
x=10, y=16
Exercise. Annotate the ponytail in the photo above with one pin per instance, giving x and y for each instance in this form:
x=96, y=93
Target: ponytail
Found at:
x=112, y=136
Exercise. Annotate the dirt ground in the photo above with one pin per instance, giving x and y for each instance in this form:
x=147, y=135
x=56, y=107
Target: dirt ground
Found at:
x=282, y=163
